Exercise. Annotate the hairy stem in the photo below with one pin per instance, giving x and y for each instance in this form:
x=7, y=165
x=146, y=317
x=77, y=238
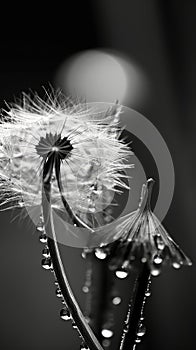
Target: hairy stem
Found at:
x=76, y=313
x=135, y=309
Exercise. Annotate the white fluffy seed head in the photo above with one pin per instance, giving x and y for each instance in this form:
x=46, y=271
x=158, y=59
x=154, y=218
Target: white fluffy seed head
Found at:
x=91, y=172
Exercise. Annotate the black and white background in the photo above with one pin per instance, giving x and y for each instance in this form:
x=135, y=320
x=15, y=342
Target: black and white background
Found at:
x=159, y=37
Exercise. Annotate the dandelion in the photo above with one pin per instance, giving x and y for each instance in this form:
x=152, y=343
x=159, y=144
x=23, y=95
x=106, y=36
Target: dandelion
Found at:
x=64, y=156
x=85, y=143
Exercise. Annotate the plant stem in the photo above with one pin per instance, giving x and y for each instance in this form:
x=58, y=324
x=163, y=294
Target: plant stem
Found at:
x=76, y=313
x=135, y=309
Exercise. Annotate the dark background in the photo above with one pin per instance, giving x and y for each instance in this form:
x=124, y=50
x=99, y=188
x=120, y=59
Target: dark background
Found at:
x=160, y=37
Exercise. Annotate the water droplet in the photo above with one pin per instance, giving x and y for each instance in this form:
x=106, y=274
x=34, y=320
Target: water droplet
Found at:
x=47, y=263
x=83, y=346
x=157, y=259
x=65, y=314
x=107, y=333
x=176, y=265
x=116, y=300
x=126, y=328
x=121, y=274
x=106, y=343
x=141, y=330
x=46, y=252
x=100, y=254
x=74, y=325
x=56, y=283
x=143, y=260
x=58, y=293
x=155, y=272
x=43, y=238
x=40, y=227
x=138, y=340
x=85, y=252
x=148, y=293
x=85, y=289
x=159, y=242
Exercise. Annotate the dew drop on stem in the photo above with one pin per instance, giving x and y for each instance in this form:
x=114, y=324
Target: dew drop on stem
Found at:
x=138, y=340
x=40, y=227
x=176, y=265
x=47, y=264
x=141, y=330
x=58, y=293
x=155, y=272
x=43, y=238
x=85, y=289
x=46, y=252
x=100, y=254
x=83, y=346
x=148, y=293
x=157, y=259
x=116, y=300
x=159, y=242
x=74, y=325
x=121, y=273
x=107, y=333
x=65, y=314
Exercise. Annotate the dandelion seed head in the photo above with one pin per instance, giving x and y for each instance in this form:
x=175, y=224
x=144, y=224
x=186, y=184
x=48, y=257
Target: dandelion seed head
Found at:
x=85, y=141
x=141, y=235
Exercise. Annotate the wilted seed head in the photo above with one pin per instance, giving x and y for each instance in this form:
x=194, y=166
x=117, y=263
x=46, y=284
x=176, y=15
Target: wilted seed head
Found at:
x=139, y=236
x=85, y=142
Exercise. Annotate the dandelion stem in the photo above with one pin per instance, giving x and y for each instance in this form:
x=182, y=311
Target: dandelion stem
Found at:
x=74, y=219
x=135, y=309
x=59, y=270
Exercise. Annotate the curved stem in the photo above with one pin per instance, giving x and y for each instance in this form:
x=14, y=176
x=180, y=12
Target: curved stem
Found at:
x=74, y=218
x=135, y=310
x=76, y=313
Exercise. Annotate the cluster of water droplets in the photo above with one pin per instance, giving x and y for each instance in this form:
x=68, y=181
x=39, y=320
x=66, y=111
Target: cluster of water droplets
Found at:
x=125, y=328
x=103, y=253
x=156, y=254
x=141, y=329
x=64, y=314
x=120, y=272
x=46, y=261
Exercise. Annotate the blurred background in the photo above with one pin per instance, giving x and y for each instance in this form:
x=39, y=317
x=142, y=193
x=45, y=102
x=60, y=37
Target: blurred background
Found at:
x=142, y=53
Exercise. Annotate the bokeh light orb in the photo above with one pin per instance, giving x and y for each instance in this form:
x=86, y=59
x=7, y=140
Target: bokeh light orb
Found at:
x=101, y=76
